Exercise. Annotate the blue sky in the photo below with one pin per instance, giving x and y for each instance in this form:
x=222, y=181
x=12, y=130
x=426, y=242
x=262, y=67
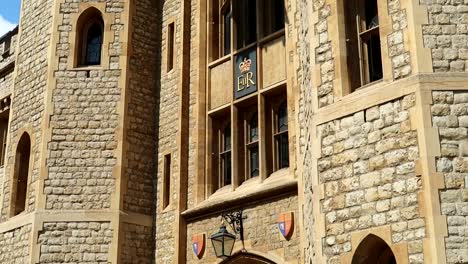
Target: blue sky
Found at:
x=9, y=15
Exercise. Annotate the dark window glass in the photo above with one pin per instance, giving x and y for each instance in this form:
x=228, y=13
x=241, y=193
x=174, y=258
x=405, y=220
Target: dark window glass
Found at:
x=226, y=156
x=167, y=180
x=254, y=128
x=282, y=143
x=283, y=151
x=170, y=46
x=254, y=168
x=253, y=146
x=227, y=138
x=227, y=168
x=272, y=19
x=22, y=163
x=283, y=118
x=93, y=45
x=246, y=22
x=227, y=16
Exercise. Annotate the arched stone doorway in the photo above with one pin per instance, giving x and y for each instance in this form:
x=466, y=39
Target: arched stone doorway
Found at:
x=247, y=258
x=373, y=250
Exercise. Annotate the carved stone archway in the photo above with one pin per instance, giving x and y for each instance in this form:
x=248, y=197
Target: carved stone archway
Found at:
x=247, y=258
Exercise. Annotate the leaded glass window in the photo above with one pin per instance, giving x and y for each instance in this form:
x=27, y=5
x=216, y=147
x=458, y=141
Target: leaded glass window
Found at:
x=93, y=45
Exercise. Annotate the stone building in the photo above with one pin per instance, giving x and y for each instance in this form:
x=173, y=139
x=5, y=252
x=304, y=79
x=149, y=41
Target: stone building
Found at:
x=131, y=130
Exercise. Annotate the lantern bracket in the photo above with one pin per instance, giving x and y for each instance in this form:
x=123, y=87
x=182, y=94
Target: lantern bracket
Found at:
x=235, y=220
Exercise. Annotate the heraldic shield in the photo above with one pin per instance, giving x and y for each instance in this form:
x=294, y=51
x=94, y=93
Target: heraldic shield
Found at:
x=198, y=244
x=286, y=224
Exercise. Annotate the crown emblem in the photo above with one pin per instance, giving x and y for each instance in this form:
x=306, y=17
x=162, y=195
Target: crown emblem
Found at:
x=245, y=65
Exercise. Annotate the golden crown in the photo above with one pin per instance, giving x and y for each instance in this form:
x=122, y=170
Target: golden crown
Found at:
x=245, y=65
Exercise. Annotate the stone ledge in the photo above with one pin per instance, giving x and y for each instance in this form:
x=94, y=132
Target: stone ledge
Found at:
x=75, y=216
x=385, y=91
x=248, y=193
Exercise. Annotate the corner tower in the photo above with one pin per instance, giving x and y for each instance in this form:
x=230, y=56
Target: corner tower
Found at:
x=84, y=95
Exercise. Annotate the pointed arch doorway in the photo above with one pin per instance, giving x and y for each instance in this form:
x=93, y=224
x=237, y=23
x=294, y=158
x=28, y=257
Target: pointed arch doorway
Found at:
x=247, y=258
x=373, y=250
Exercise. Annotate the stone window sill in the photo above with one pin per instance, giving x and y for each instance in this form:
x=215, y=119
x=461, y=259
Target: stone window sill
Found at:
x=252, y=190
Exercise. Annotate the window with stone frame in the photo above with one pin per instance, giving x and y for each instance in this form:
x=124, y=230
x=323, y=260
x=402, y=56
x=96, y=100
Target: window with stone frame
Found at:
x=90, y=30
x=236, y=30
x=364, y=58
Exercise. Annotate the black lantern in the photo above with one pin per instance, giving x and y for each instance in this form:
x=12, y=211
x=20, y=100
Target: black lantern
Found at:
x=223, y=242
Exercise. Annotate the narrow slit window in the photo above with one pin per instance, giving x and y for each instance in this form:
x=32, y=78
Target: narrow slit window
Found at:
x=170, y=46
x=167, y=181
x=21, y=174
x=3, y=139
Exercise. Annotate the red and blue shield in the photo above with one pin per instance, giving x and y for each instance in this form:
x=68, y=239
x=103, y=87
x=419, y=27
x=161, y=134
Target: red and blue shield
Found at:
x=198, y=244
x=286, y=224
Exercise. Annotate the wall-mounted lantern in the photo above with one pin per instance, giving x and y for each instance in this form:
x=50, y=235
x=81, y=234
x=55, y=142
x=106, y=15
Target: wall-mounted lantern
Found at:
x=223, y=241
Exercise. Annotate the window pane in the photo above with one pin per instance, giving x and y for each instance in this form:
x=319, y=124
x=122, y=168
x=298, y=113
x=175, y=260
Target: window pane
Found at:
x=375, y=58
x=283, y=151
x=227, y=30
x=227, y=138
x=254, y=171
x=282, y=118
x=246, y=22
x=227, y=168
x=372, y=17
x=93, y=45
x=272, y=16
x=253, y=128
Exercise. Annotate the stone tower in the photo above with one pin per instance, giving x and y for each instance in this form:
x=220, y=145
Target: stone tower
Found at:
x=80, y=158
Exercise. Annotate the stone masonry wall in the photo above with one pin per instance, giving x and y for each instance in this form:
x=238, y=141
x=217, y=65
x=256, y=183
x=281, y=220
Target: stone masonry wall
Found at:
x=193, y=107
x=75, y=242
x=398, y=53
x=141, y=114
x=368, y=171
x=168, y=130
x=446, y=34
x=304, y=32
x=27, y=108
x=7, y=58
x=137, y=245
x=260, y=231
x=85, y=120
x=450, y=116
x=14, y=245
x=324, y=54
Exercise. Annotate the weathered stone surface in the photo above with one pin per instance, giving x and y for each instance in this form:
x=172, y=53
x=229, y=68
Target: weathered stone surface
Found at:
x=381, y=186
x=454, y=167
x=75, y=242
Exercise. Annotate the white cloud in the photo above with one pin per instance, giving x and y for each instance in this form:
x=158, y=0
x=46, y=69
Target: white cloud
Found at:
x=5, y=26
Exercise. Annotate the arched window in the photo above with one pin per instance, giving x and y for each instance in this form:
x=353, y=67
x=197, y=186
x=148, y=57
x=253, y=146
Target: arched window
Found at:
x=21, y=173
x=373, y=250
x=90, y=28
